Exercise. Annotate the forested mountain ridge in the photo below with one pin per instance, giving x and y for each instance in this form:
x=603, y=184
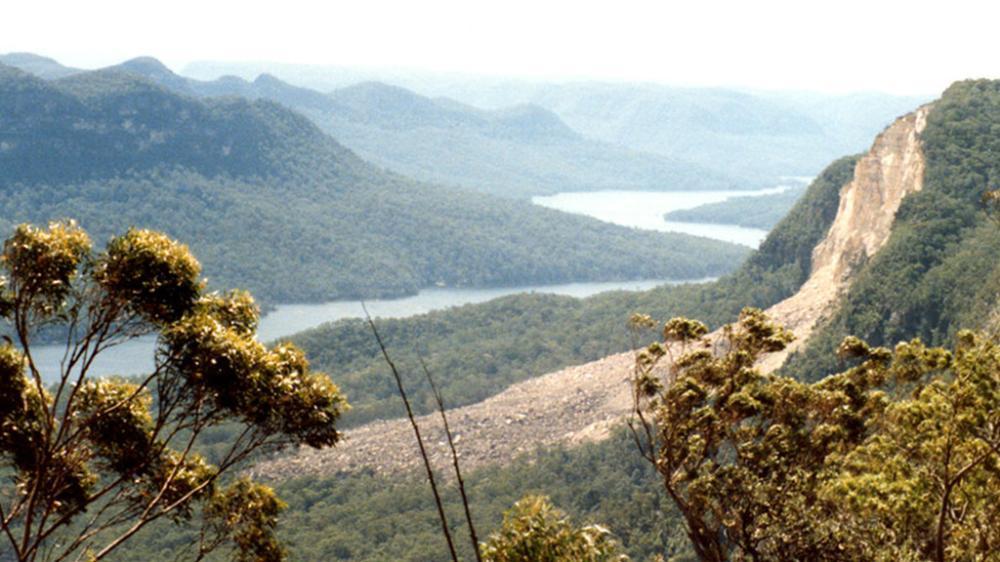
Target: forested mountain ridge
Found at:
x=271, y=203
x=443, y=141
x=939, y=270
x=105, y=124
x=747, y=134
x=458, y=146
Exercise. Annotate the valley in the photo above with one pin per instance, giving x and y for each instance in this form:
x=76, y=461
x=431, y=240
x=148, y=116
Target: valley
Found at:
x=633, y=300
x=625, y=208
x=585, y=403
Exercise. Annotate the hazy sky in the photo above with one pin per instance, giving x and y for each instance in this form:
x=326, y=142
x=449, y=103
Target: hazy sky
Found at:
x=843, y=45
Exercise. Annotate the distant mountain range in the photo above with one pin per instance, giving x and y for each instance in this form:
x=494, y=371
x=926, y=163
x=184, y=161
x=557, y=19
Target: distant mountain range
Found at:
x=42, y=67
x=271, y=203
x=752, y=136
x=517, y=151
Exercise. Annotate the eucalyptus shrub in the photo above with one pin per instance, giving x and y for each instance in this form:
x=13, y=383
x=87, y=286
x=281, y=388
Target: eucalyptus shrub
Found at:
x=88, y=462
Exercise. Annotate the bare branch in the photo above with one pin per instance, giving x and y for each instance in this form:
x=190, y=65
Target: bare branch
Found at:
x=416, y=432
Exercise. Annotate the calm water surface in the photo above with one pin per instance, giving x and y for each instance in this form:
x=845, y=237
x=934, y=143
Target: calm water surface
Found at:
x=645, y=209
x=136, y=356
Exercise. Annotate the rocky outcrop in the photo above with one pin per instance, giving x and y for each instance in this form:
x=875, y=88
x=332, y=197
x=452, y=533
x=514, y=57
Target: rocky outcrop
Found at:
x=582, y=403
x=892, y=169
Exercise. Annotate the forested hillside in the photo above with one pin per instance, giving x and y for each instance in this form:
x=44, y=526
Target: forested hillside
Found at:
x=272, y=204
x=40, y=66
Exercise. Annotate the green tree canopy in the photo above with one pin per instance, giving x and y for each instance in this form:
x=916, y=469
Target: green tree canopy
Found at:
x=537, y=531
x=896, y=458
x=88, y=462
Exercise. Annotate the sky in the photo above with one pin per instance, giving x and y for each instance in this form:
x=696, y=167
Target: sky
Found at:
x=848, y=45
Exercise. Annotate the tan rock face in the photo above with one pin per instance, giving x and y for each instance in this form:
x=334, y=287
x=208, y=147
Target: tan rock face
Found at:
x=581, y=403
x=892, y=169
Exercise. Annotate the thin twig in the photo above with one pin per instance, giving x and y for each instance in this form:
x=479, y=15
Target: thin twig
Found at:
x=416, y=431
x=454, y=459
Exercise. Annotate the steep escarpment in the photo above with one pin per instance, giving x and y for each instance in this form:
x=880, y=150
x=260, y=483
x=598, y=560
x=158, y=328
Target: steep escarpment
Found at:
x=939, y=269
x=891, y=170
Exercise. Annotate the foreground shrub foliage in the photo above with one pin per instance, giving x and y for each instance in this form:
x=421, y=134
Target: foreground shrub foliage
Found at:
x=535, y=530
x=896, y=458
x=88, y=462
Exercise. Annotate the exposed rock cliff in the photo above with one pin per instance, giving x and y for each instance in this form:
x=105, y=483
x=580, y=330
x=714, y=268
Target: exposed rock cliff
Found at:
x=892, y=169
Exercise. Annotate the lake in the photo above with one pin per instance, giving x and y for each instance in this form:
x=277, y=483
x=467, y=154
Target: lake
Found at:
x=136, y=356
x=637, y=209
x=645, y=209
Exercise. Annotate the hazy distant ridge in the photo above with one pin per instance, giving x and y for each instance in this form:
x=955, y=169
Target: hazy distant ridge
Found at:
x=753, y=136
x=518, y=151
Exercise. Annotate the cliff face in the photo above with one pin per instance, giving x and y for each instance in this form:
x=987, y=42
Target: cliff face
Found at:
x=891, y=170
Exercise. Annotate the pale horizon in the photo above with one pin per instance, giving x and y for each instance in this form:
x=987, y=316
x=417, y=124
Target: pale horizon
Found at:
x=852, y=46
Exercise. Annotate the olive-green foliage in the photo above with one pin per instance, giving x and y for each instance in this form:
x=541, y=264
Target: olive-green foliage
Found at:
x=940, y=269
x=738, y=451
x=248, y=512
x=121, y=423
x=477, y=350
x=86, y=463
x=991, y=199
x=272, y=204
x=42, y=262
x=536, y=530
x=925, y=484
x=757, y=211
x=894, y=459
x=141, y=268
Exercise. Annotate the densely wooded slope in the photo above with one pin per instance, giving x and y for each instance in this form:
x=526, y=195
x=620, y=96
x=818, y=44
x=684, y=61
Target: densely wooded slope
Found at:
x=269, y=202
x=940, y=270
